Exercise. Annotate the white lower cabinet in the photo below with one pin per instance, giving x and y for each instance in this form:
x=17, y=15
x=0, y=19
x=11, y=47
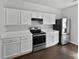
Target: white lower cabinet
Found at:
x=56, y=37
x=26, y=46
x=13, y=47
x=52, y=38
x=49, y=39
x=10, y=48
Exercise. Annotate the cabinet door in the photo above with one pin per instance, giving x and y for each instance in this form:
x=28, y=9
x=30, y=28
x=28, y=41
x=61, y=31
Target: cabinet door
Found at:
x=25, y=17
x=56, y=37
x=10, y=50
x=26, y=46
x=53, y=18
x=12, y=16
x=45, y=18
x=49, y=18
x=10, y=47
x=49, y=40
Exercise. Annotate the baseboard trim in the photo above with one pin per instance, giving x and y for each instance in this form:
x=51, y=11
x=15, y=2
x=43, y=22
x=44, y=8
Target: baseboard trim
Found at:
x=74, y=43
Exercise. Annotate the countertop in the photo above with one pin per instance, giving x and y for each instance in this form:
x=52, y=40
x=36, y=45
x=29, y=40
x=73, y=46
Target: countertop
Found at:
x=22, y=33
x=15, y=34
x=49, y=31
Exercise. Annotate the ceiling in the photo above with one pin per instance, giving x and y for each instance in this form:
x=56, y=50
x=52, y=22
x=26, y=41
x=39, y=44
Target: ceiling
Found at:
x=59, y=4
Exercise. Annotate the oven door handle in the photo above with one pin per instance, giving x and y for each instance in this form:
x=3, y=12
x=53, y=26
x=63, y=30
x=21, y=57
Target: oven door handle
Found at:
x=39, y=35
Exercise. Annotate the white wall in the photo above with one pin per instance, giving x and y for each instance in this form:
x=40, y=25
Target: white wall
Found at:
x=72, y=13
x=1, y=25
x=1, y=17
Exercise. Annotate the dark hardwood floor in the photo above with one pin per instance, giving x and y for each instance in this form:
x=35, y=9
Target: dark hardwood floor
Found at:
x=69, y=51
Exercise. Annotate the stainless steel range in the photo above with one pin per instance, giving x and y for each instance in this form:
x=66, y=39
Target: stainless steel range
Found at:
x=39, y=39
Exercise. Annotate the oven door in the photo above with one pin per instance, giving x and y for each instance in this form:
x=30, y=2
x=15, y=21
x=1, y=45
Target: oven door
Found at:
x=39, y=39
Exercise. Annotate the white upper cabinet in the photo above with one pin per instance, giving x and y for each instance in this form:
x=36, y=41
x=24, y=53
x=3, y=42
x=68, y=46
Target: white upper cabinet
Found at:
x=45, y=19
x=48, y=18
x=25, y=17
x=12, y=16
x=37, y=15
x=52, y=18
x=15, y=17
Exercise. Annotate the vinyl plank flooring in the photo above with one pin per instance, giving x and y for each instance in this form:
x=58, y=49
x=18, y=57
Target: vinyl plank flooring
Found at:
x=69, y=51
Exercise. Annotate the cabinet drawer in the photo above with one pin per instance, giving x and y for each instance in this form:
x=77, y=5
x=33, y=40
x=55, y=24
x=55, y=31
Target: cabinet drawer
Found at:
x=26, y=37
x=10, y=40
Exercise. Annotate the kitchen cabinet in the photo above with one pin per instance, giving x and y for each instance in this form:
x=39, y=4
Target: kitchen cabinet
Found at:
x=53, y=18
x=56, y=37
x=37, y=15
x=45, y=19
x=25, y=17
x=48, y=18
x=15, y=17
x=49, y=39
x=10, y=47
x=52, y=38
x=13, y=44
x=12, y=16
x=26, y=45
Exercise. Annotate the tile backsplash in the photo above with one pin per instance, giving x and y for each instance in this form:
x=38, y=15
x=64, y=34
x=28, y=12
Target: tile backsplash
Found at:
x=11, y=28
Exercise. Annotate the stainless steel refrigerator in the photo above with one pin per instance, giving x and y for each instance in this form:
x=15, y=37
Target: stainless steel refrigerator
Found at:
x=63, y=26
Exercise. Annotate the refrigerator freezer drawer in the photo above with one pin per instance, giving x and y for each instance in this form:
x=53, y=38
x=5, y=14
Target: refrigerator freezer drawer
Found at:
x=65, y=39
